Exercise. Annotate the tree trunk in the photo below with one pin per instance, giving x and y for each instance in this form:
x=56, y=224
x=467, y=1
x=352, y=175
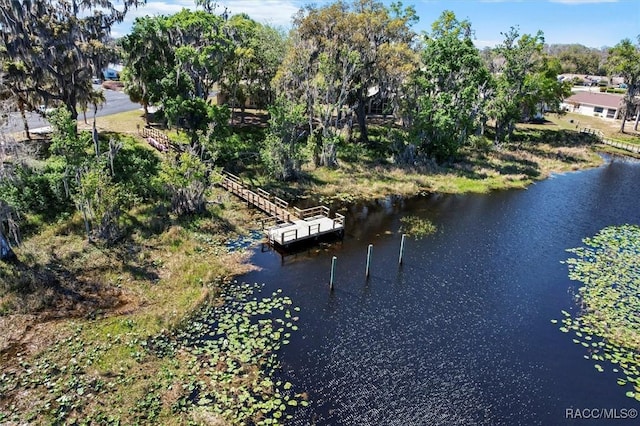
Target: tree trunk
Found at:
x=87, y=225
x=5, y=249
x=361, y=115
x=24, y=120
x=635, y=126
x=145, y=106
x=111, y=154
x=73, y=108
x=233, y=101
x=624, y=119
x=94, y=136
x=350, y=127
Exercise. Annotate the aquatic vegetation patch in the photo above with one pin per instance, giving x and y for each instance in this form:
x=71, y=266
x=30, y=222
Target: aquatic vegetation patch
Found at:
x=608, y=322
x=232, y=349
x=417, y=227
x=243, y=242
x=218, y=367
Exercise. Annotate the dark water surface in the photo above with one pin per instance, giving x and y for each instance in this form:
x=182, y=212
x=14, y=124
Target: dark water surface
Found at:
x=461, y=333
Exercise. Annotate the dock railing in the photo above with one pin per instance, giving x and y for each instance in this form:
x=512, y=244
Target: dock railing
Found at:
x=302, y=222
x=622, y=145
x=312, y=212
x=284, y=236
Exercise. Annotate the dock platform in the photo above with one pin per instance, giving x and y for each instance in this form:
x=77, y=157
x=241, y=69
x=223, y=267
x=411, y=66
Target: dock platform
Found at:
x=290, y=226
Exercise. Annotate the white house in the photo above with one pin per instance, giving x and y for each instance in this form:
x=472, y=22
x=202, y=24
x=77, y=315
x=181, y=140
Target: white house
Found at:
x=603, y=105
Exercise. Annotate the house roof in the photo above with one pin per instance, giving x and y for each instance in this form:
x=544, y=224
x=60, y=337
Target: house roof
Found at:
x=605, y=100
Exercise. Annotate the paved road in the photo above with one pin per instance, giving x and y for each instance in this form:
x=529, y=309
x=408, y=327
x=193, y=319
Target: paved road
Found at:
x=116, y=102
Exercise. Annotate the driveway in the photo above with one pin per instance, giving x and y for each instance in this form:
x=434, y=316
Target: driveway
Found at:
x=116, y=102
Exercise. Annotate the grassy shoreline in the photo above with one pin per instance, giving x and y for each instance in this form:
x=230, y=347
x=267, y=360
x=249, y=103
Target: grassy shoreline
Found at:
x=104, y=303
x=536, y=152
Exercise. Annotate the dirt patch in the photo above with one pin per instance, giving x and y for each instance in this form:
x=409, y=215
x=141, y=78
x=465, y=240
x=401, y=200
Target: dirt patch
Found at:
x=24, y=336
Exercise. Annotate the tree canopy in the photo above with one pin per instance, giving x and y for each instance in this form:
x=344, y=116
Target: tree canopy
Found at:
x=624, y=61
x=340, y=55
x=437, y=93
x=447, y=88
x=50, y=50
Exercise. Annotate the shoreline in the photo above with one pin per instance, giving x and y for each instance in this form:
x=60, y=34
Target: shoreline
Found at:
x=190, y=280
x=353, y=184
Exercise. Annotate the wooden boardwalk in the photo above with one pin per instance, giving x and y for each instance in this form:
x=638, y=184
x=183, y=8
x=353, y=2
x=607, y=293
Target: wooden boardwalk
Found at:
x=290, y=227
x=159, y=140
x=621, y=145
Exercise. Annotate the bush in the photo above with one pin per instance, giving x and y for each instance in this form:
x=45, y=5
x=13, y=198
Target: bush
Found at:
x=36, y=192
x=615, y=90
x=135, y=168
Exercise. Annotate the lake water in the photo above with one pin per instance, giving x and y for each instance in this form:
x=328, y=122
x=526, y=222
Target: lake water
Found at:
x=462, y=332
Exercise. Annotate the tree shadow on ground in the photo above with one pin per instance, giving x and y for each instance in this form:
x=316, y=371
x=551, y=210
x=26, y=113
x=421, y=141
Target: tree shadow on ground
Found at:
x=53, y=291
x=556, y=138
x=510, y=164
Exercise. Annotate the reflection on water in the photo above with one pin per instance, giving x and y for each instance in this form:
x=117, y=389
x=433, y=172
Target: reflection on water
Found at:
x=461, y=333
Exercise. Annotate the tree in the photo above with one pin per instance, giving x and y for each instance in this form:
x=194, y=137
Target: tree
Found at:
x=520, y=56
x=338, y=55
x=576, y=58
x=624, y=61
x=101, y=201
x=542, y=90
x=324, y=82
x=185, y=180
x=201, y=46
x=148, y=59
x=9, y=202
x=192, y=48
x=50, y=48
x=447, y=109
x=384, y=38
x=283, y=143
x=258, y=51
x=68, y=148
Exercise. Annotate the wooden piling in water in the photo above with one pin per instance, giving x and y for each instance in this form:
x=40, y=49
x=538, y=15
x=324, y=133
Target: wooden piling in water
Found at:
x=404, y=236
x=369, y=250
x=333, y=271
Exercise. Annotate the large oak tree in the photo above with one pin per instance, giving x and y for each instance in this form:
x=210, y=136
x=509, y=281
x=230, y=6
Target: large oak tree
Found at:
x=51, y=49
x=340, y=54
x=447, y=102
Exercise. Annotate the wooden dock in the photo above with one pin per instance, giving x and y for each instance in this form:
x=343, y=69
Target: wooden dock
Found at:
x=621, y=145
x=159, y=140
x=290, y=226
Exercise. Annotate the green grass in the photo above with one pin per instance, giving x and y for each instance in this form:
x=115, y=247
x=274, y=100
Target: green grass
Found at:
x=534, y=153
x=610, y=128
x=126, y=122
x=108, y=301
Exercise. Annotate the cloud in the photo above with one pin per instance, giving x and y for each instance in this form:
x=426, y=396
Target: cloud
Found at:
x=273, y=12
x=481, y=44
x=583, y=1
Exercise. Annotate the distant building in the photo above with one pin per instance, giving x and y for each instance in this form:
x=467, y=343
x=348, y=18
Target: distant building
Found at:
x=591, y=80
x=603, y=105
x=112, y=72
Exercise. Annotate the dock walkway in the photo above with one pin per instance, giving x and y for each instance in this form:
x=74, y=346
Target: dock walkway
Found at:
x=621, y=145
x=290, y=227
